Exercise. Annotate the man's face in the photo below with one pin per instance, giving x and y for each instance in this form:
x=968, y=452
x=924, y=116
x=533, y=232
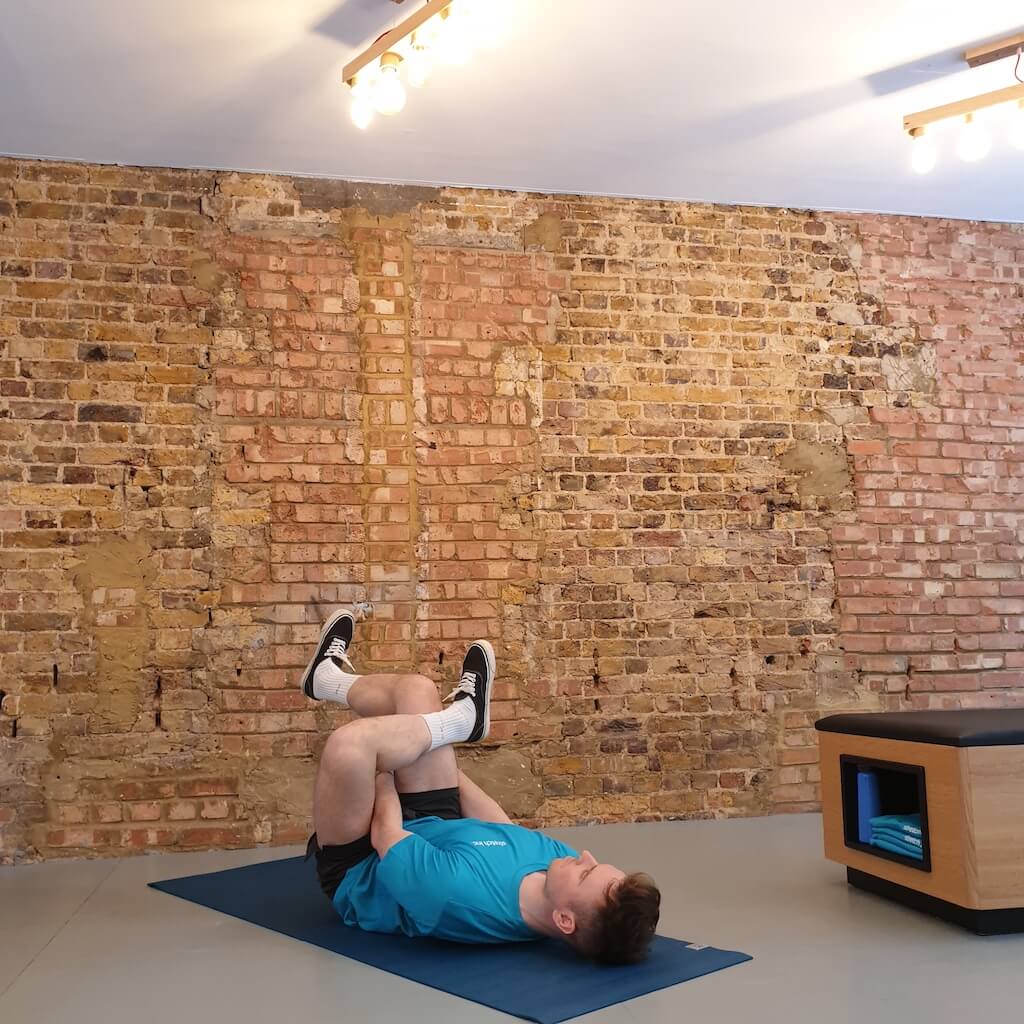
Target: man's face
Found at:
x=578, y=886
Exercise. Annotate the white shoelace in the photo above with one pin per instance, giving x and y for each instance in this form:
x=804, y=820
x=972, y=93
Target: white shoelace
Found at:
x=467, y=684
x=336, y=649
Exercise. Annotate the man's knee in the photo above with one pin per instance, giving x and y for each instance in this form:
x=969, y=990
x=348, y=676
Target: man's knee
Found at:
x=416, y=695
x=348, y=745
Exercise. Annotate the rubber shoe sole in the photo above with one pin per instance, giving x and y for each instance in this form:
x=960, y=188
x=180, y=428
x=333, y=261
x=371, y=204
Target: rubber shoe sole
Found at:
x=482, y=700
x=327, y=635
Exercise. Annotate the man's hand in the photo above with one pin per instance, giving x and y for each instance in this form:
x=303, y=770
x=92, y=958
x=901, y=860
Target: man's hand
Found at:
x=386, y=825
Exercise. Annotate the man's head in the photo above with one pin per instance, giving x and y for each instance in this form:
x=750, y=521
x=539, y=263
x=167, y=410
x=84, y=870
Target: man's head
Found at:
x=606, y=914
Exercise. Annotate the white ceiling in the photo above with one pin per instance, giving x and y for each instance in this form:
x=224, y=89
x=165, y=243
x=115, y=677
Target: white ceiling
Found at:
x=782, y=103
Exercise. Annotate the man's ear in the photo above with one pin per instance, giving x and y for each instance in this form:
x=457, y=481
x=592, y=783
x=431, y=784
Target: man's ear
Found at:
x=565, y=921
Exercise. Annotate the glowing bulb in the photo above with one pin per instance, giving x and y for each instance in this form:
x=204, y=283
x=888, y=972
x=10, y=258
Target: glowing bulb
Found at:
x=361, y=113
x=417, y=66
x=923, y=155
x=974, y=142
x=388, y=91
x=429, y=33
x=456, y=41
x=362, y=85
x=361, y=110
x=1017, y=127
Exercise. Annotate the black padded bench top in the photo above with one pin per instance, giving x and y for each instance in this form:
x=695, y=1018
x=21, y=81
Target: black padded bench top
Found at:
x=981, y=727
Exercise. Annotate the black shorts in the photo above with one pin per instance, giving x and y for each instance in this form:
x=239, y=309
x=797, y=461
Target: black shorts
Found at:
x=333, y=861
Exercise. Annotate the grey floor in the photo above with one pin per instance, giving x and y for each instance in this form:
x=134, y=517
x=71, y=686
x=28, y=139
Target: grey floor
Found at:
x=88, y=942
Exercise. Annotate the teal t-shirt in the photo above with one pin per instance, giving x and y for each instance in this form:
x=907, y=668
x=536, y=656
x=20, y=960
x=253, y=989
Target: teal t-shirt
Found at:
x=456, y=880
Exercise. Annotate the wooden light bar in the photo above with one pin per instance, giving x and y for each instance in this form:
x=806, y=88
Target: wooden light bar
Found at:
x=915, y=123
x=912, y=122
x=388, y=40
x=979, y=55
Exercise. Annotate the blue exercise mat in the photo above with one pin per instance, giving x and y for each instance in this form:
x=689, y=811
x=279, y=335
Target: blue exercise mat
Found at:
x=543, y=981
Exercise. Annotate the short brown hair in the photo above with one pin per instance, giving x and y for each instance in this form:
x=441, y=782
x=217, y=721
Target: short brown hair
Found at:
x=622, y=930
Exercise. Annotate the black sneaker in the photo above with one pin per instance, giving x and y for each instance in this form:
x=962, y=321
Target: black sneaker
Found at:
x=335, y=641
x=475, y=685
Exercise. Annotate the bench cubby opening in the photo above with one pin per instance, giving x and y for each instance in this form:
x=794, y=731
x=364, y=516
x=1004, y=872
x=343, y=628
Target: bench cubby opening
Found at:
x=901, y=790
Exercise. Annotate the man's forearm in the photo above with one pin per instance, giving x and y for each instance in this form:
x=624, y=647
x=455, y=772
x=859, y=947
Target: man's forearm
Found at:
x=477, y=804
x=386, y=824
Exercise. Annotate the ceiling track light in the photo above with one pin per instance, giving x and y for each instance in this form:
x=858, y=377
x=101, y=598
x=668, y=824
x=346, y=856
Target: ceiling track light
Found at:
x=444, y=31
x=975, y=142
x=390, y=39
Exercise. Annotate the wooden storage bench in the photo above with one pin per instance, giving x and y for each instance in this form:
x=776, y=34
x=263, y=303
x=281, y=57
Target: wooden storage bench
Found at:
x=962, y=772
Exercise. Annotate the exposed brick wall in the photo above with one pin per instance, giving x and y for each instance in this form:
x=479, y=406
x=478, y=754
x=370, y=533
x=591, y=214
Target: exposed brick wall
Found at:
x=930, y=575
x=700, y=473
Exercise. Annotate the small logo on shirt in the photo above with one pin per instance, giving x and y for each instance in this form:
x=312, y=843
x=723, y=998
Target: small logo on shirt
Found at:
x=489, y=842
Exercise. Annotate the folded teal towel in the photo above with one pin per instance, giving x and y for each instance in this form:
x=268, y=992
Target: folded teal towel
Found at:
x=903, y=849
x=895, y=837
x=909, y=823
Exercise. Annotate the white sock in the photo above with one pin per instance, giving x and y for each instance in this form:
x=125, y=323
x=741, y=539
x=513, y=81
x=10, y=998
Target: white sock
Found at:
x=453, y=725
x=331, y=682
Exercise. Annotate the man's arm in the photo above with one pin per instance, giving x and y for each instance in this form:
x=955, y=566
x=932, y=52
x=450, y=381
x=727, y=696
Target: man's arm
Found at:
x=477, y=804
x=386, y=824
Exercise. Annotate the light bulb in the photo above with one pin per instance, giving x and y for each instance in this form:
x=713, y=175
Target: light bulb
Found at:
x=428, y=34
x=974, y=142
x=362, y=84
x=923, y=154
x=417, y=66
x=1017, y=127
x=361, y=113
x=455, y=44
x=388, y=92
